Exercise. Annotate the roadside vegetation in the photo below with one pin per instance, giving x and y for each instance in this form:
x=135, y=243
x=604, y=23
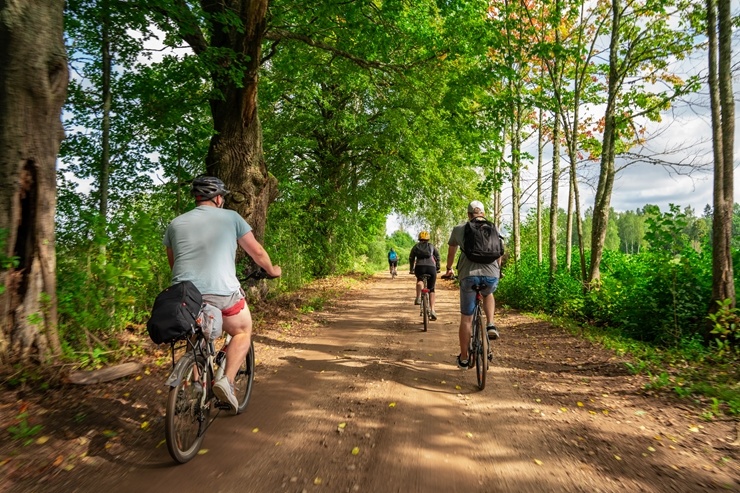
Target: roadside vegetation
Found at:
x=653, y=303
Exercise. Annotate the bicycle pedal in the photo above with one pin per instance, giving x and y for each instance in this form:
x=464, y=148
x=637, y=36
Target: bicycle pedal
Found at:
x=224, y=406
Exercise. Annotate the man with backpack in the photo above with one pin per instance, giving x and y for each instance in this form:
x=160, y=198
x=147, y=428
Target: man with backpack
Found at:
x=479, y=264
x=424, y=259
x=201, y=248
x=393, y=262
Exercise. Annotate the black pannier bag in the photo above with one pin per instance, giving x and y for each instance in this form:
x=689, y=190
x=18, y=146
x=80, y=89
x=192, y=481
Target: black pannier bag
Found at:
x=174, y=312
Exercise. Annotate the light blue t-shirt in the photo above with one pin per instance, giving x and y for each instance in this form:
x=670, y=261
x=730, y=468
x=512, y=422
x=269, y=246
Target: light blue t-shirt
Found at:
x=204, y=242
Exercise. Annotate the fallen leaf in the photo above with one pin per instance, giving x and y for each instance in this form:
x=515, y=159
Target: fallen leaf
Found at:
x=203, y=451
x=617, y=457
x=255, y=430
x=145, y=425
x=317, y=480
x=469, y=435
x=355, y=450
x=42, y=440
x=161, y=443
x=538, y=462
x=392, y=404
x=579, y=404
x=651, y=449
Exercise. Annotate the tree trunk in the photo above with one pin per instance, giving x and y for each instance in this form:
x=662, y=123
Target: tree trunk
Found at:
x=540, y=146
x=235, y=154
x=723, y=115
x=607, y=171
x=33, y=85
x=554, y=197
x=516, y=188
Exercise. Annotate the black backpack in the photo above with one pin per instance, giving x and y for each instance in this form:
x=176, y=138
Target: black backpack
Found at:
x=174, y=312
x=482, y=243
x=421, y=253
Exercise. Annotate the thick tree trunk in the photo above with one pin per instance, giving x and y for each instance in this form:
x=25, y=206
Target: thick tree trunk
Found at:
x=33, y=84
x=723, y=116
x=235, y=154
x=602, y=200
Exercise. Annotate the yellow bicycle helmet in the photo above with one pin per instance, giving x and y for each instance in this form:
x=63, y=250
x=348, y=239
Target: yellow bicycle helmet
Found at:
x=424, y=235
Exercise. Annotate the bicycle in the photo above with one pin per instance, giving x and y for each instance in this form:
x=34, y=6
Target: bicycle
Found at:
x=480, y=344
x=191, y=398
x=425, y=308
x=479, y=349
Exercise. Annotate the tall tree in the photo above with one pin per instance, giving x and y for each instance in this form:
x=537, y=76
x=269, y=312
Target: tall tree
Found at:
x=719, y=33
x=33, y=84
x=645, y=36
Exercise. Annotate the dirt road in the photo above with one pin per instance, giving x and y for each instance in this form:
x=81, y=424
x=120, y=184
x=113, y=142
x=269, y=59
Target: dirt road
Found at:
x=363, y=401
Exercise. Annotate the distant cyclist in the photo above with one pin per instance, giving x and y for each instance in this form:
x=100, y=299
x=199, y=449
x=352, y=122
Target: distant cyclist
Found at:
x=201, y=248
x=424, y=259
x=471, y=273
x=393, y=262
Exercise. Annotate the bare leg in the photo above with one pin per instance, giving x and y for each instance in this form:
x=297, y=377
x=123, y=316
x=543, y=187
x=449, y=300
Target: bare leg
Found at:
x=431, y=300
x=489, y=305
x=239, y=326
x=464, y=333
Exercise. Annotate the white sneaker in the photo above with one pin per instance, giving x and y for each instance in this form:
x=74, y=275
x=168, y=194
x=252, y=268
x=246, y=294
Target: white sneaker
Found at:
x=225, y=393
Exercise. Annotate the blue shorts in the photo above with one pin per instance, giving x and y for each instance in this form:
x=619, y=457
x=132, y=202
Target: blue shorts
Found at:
x=467, y=294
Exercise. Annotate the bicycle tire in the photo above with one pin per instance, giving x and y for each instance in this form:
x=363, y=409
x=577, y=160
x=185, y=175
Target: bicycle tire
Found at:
x=481, y=355
x=244, y=380
x=185, y=419
x=425, y=310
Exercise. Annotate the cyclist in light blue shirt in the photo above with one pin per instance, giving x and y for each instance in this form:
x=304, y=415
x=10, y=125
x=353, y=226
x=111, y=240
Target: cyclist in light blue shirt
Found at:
x=201, y=248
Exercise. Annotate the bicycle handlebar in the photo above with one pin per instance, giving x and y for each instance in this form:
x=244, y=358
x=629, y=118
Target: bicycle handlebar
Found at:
x=258, y=275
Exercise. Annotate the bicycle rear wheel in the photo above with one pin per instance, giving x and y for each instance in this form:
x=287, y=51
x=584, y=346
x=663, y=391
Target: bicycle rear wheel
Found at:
x=244, y=380
x=425, y=310
x=481, y=350
x=186, y=417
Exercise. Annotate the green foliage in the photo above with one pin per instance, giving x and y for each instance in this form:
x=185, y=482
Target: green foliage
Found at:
x=109, y=275
x=23, y=430
x=726, y=329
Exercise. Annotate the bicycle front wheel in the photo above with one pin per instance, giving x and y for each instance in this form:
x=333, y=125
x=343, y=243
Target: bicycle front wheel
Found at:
x=244, y=380
x=481, y=349
x=188, y=410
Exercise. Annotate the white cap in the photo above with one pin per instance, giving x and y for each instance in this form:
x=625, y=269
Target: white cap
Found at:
x=476, y=207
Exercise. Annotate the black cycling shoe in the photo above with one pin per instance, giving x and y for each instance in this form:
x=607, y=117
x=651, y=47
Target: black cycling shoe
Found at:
x=463, y=363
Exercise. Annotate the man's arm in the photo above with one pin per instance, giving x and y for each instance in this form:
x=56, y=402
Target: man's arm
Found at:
x=170, y=257
x=451, y=251
x=253, y=248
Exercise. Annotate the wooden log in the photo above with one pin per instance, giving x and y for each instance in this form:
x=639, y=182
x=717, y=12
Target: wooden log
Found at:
x=104, y=374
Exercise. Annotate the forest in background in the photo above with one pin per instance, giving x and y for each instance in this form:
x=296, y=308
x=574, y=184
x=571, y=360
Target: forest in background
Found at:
x=370, y=108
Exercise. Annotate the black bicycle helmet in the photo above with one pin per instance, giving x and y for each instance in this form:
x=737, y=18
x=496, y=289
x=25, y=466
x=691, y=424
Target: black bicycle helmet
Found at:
x=207, y=187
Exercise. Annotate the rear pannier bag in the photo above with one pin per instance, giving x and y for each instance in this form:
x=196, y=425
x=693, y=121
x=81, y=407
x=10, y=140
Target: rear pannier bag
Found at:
x=174, y=312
